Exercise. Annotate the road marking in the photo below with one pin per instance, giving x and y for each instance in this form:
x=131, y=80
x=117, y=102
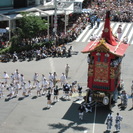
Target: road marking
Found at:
x=94, y=121
x=126, y=27
x=81, y=35
x=87, y=35
x=125, y=31
x=52, y=65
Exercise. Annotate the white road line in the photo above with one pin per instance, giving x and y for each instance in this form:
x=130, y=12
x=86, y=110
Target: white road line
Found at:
x=115, y=28
x=123, y=26
x=94, y=120
x=84, y=37
x=87, y=34
x=131, y=40
x=130, y=37
x=52, y=65
x=81, y=35
x=126, y=30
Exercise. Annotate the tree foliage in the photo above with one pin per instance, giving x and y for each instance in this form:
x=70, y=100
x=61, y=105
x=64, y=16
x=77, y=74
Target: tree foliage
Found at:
x=32, y=25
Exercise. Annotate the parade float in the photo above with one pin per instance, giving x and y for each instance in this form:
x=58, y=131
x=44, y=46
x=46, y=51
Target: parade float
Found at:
x=105, y=56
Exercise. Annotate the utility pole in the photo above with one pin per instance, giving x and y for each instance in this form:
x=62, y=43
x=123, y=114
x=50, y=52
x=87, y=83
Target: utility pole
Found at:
x=55, y=21
x=55, y=17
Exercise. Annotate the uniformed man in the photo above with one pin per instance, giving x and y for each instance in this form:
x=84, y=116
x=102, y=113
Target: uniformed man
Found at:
x=118, y=119
x=109, y=121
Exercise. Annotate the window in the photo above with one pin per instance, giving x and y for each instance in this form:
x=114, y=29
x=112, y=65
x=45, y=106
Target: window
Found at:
x=99, y=57
x=106, y=57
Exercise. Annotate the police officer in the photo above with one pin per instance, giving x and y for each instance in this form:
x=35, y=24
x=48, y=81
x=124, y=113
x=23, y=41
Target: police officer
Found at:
x=118, y=119
x=109, y=121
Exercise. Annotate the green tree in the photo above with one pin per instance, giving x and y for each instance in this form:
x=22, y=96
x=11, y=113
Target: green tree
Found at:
x=32, y=25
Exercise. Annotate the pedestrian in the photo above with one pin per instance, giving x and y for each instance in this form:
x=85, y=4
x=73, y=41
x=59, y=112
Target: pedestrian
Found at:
x=73, y=86
x=132, y=93
x=132, y=88
x=79, y=90
x=1, y=89
x=21, y=79
x=132, y=99
x=81, y=110
x=38, y=88
x=118, y=119
x=11, y=91
x=63, y=79
x=56, y=93
x=119, y=32
x=67, y=91
x=43, y=77
x=35, y=78
x=109, y=121
x=29, y=87
x=12, y=78
x=124, y=99
x=17, y=76
x=67, y=70
x=98, y=21
x=16, y=88
x=24, y=89
x=51, y=79
x=45, y=85
x=49, y=99
x=54, y=78
x=6, y=77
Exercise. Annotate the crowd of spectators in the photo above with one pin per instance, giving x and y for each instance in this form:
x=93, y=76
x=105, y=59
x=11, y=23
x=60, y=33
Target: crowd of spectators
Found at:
x=121, y=11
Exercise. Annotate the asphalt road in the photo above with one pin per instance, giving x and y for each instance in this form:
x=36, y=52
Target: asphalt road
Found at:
x=30, y=115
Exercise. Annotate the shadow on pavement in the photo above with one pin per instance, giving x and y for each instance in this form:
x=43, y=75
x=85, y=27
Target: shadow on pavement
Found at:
x=63, y=99
x=107, y=131
x=45, y=108
x=20, y=98
x=72, y=115
x=64, y=127
x=34, y=97
x=7, y=99
x=130, y=109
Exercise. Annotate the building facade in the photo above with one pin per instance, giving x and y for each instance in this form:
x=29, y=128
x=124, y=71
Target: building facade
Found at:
x=6, y=4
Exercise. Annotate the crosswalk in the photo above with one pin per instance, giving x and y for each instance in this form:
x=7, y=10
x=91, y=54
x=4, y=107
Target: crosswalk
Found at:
x=127, y=30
